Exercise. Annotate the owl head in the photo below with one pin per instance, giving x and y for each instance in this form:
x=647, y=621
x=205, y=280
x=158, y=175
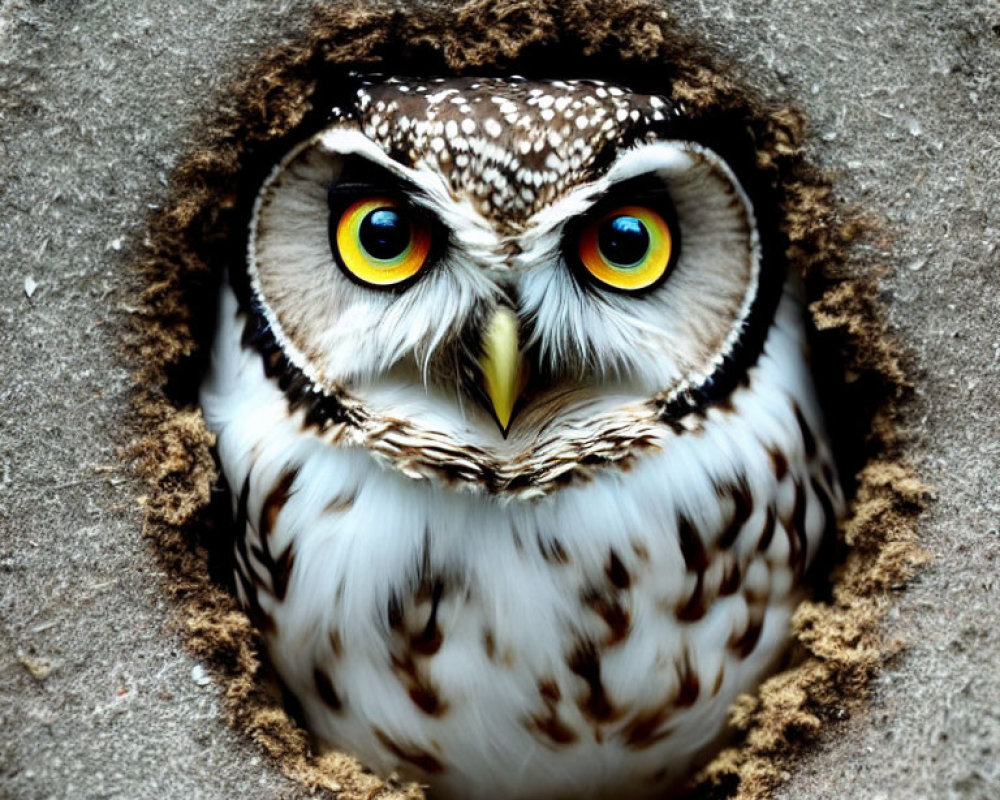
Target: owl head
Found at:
x=507, y=268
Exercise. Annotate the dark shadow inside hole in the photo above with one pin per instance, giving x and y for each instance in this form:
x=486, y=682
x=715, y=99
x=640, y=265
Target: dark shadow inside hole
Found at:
x=217, y=533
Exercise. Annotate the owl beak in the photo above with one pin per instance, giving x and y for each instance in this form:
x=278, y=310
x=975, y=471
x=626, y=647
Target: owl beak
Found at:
x=504, y=376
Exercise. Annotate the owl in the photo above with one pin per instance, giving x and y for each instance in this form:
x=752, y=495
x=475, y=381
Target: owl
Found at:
x=511, y=388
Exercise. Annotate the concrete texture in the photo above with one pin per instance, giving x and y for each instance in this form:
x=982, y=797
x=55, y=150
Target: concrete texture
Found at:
x=98, y=100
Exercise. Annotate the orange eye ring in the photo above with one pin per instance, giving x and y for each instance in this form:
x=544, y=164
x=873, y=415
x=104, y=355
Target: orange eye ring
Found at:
x=629, y=249
x=378, y=244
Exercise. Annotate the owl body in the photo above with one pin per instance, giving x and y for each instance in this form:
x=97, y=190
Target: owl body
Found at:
x=562, y=600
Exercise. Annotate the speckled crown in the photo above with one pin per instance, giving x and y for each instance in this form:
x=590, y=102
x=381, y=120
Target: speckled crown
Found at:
x=515, y=145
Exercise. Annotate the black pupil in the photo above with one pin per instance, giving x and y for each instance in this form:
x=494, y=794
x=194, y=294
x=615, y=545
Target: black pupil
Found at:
x=384, y=233
x=623, y=240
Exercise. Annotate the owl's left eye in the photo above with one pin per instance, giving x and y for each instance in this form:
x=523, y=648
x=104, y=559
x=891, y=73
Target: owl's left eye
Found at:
x=378, y=242
x=630, y=248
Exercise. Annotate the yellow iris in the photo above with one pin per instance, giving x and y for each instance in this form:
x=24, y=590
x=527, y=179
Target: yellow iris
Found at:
x=379, y=244
x=629, y=248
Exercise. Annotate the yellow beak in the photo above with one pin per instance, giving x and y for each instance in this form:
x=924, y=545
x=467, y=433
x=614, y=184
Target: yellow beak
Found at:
x=501, y=363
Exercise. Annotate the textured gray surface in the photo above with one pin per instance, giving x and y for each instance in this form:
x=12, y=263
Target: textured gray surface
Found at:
x=98, y=100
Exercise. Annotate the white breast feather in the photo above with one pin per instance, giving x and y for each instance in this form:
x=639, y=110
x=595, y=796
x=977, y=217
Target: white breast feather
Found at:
x=510, y=617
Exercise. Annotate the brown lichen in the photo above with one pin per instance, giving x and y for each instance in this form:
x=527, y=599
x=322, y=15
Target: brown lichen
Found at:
x=839, y=645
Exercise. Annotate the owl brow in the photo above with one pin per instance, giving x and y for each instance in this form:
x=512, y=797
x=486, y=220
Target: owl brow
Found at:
x=647, y=188
x=347, y=191
x=365, y=177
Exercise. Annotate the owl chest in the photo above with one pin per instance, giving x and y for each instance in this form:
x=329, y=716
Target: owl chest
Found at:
x=596, y=624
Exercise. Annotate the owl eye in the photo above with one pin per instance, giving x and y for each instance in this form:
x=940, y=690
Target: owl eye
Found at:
x=378, y=242
x=629, y=248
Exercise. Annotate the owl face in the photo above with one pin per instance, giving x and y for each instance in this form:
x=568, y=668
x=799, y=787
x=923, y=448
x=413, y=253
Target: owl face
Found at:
x=507, y=266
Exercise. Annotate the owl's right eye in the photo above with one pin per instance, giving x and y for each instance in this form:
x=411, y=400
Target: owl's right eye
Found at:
x=630, y=248
x=378, y=242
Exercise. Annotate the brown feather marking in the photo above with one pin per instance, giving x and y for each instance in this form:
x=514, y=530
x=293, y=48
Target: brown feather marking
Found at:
x=489, y=645
x=694, y=608
x=744, y=644
x=617, y=573
x=260, y=619
x=281, y=572
x=275, y=501
x=799, y=521
x=641, y=551
x=550, y=724
x=717, y=686
x=340, y=503
x=426, y=698
x=553, y=728
x=428, y=641
x=795, y=530
x=586, y=663
x=416, y=756
x=411, y=650
x=552, y=550
x=692, y=548
x=549, y=690
x=422, y=692
x=742, y=509
x=647, y=727
x=325, y=690
x=808, y=439
x=394, y=611
x=248, y=578
x=779, y=463
x=241, y=524
x=280, y=569
x=732, y=579
x=767, y=532
x=696, y=560
x=615, y=615
x=690, y=686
